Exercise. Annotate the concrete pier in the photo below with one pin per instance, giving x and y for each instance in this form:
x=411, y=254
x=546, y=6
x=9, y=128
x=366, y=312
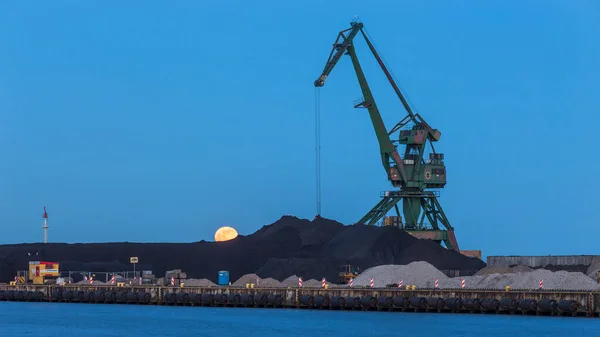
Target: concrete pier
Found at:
x=522, y=302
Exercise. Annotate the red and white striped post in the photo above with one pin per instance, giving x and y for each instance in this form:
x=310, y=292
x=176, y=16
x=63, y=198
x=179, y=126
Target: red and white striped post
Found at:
x=112, y=279
x=372, y=283
x=172, y=280
x=436, y=283
x=352, y=282
x=462, y=283
x=323, y=282
x=400, y=284
x=91, y=280
x=299, y=281
x=541, y=284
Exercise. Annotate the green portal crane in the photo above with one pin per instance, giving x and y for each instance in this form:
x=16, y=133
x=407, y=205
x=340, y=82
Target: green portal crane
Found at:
x=411, y=173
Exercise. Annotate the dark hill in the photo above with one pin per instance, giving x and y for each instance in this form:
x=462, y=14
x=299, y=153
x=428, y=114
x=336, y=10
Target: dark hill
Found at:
x=311, y=249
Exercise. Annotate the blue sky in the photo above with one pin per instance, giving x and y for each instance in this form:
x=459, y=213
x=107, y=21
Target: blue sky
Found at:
x=142, y=121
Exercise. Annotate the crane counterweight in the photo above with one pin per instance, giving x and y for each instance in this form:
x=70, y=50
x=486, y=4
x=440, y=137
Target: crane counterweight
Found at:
x=410, y=173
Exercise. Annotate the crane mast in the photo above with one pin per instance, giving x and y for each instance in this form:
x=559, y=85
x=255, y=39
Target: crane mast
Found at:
x=411, y=174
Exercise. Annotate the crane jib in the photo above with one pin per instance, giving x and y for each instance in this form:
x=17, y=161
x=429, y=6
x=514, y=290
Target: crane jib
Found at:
x=343, y=45
x=338, y=50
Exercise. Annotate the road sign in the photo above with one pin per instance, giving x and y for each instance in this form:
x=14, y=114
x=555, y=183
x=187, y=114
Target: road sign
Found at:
x=133, y=260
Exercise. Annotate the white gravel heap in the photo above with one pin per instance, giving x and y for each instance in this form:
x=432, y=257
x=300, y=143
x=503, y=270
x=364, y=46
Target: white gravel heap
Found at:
x=423, y=275
x=420, y=274
x=526, y=280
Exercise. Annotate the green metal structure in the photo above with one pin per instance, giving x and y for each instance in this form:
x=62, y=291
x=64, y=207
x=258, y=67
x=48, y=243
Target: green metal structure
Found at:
x=410, y=173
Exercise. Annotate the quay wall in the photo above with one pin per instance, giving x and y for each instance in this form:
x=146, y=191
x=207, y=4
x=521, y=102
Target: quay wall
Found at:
x=511, y=301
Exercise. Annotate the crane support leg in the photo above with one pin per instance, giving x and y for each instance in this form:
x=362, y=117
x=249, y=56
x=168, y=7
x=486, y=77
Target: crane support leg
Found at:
x=438, y=227
x=381, y=209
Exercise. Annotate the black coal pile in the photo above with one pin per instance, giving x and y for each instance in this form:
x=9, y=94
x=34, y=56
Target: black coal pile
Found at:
x=312, y=249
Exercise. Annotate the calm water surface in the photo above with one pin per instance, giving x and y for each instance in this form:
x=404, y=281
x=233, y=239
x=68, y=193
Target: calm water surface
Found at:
x=71, y=319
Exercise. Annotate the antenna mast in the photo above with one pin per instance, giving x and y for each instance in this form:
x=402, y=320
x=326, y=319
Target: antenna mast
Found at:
x=45, y=225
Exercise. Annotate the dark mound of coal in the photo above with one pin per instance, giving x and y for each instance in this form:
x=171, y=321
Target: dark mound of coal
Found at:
x=311, y=249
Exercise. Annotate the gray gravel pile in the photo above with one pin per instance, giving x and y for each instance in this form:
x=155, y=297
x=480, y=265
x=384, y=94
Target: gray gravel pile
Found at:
x=423, y=275
x=291, y=281
x=552, y=280
x=503, y=270
x=420, y=274
x=312, y=283
x=248, y=278
x=269, y=282
x=526, y=280
x=492, y=281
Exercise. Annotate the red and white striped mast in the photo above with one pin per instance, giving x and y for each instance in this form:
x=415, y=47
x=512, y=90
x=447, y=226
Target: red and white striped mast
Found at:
x=45, y=225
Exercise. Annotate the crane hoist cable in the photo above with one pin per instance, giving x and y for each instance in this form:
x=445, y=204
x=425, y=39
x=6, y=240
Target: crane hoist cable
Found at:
x=318, y=148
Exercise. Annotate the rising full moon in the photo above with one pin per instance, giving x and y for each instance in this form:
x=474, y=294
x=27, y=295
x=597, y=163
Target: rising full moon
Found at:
x=225, y=234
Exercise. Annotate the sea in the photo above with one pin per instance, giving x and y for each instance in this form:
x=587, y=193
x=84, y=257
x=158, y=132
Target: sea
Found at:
x=72, y=319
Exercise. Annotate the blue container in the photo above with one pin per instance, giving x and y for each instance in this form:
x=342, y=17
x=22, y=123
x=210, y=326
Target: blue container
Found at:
x=223, y=278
